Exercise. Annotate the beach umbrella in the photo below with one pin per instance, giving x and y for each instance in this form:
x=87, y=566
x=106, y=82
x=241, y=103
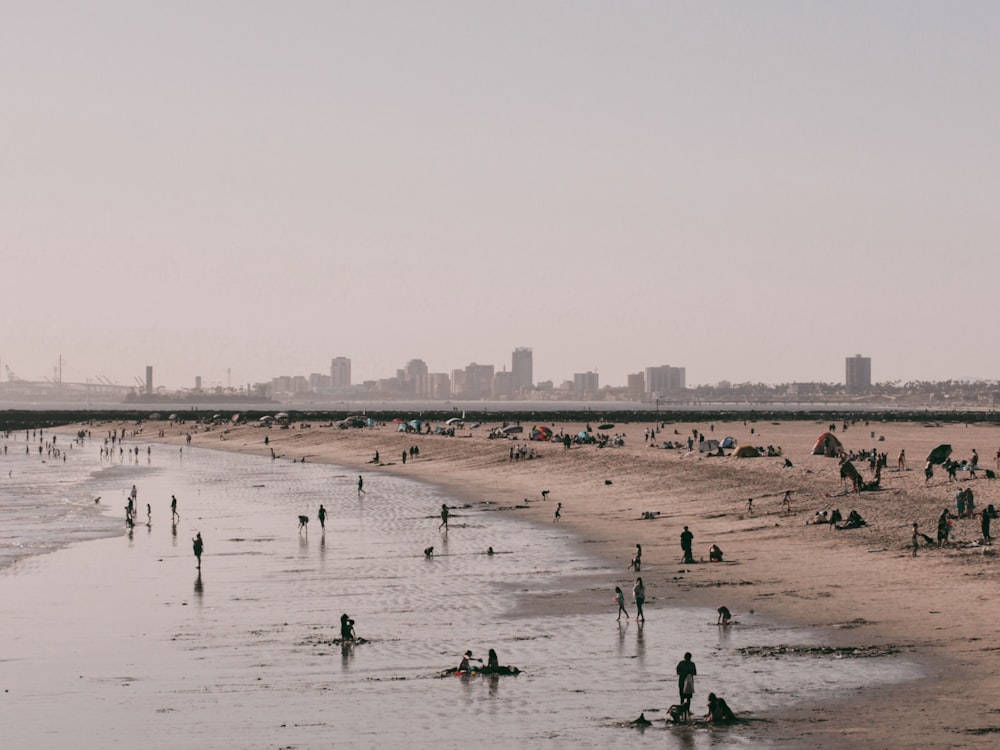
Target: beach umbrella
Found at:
x=454, y=420
x=172, y=417
x=541, y=432
x=940, y=454
x=512, y=429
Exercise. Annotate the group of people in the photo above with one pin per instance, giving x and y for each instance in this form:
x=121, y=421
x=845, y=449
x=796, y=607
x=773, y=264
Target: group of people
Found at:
x=638, y=595
x=719, y=711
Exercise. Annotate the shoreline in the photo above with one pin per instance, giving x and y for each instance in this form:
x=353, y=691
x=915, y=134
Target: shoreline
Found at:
x=860, y=587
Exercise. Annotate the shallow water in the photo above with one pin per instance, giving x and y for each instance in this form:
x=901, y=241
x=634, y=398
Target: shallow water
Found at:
x=125, y=642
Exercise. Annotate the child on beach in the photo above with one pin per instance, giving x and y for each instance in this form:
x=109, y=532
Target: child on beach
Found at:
x=620, y=600
x=558, y=513
x=639, y=592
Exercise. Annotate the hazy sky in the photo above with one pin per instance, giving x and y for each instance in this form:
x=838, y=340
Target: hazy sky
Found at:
x=750, y=190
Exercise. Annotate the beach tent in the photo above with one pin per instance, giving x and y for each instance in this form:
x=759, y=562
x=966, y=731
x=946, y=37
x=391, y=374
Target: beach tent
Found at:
x=708, y=446
x=940, y=454
x=415, y=424
x=512, y=429
x=541, y=432
x=728, y=442
x=746, y=451
x=584, y=437
x=827, y=445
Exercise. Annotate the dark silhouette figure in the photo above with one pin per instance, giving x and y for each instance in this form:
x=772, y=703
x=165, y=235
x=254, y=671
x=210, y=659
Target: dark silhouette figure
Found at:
x=687, y=539
x=198, y=547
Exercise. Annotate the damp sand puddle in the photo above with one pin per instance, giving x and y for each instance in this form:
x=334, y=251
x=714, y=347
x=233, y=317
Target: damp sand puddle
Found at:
x=121, y=638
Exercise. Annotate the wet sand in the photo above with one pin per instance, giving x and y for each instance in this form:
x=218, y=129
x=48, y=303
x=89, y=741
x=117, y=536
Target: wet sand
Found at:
x=860, y=588
x=244, y=655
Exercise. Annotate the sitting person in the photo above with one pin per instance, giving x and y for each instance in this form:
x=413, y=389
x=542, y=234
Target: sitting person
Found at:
x=854, y=521
x=463, y=666
x=679, y=713
x=714, y=554
x=346, y=627
x=719, y=711
x=492, y=662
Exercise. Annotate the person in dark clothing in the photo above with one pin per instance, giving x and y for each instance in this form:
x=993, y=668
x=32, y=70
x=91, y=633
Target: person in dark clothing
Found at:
x=687, y=539
x=686, y=671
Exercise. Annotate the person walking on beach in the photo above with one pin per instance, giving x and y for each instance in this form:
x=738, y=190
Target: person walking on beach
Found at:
x=173, y=509
x=444, y=518
x=901, y=461
x=620, y=601
x=404, y=458
x=558, y=513
x=636, y=563
x=686, y=671
x=149, y=515
x=639, y=593
x=198, y=546
x=361, y=485
x=321, y=515
x=915, y=539
x=687, y=539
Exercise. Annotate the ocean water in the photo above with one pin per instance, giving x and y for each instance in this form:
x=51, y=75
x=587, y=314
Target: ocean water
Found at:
x=119, y=641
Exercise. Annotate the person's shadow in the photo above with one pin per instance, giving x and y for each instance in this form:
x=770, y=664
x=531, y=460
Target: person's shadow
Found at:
x=199, y=588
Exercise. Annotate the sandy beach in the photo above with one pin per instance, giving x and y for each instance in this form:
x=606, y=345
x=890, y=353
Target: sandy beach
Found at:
x=852, y=589
x=862, y=587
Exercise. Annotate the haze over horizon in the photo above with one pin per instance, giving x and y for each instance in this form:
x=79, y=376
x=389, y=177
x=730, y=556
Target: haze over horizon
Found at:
x=753, y=192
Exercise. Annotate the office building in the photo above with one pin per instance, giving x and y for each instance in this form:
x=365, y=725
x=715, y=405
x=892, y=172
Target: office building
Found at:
x=340, y=372
x=523, y=370
x=859, y=374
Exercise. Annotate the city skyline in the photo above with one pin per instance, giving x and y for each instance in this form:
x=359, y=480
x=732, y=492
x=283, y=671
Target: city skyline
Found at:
x=753, y=191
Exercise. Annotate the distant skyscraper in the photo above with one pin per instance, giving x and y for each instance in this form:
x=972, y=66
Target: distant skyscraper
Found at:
x=859, y=374
x=665, y=379
x=522, y=369
x=585, y=383
x=340, y=372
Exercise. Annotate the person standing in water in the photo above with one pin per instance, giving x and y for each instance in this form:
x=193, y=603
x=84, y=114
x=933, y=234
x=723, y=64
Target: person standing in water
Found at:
x=361, y=485
x=444, y=517
x=639, y=592
x=198, y=547
x=322, y=516
x=173, y=509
